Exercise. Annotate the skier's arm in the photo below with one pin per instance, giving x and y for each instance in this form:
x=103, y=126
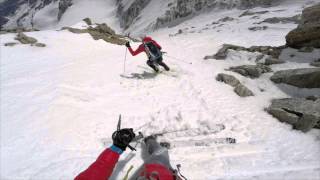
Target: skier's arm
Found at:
x=103, y=167
x=136, y=52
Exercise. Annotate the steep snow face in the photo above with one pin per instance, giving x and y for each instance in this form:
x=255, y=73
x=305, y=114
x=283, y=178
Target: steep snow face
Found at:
x=152, y=14
x=20, y=13
x=48, y=14
x=100, y=11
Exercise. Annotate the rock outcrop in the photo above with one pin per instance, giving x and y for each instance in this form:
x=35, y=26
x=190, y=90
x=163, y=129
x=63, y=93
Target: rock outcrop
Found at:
x=316, y=63
x=251, y=13
x=10, y=44
x=308, y=31
x=284, y=20
x=101, y=31
x=267, y=50
x=302, y=78
x=252, y=71
x=239, y=88
x=303, y=114
x=270, y=61
x=24, y=39
x=258, y=28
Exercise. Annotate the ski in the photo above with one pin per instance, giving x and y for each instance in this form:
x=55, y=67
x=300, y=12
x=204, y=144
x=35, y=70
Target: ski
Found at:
x=179, y=133
x=197, y=143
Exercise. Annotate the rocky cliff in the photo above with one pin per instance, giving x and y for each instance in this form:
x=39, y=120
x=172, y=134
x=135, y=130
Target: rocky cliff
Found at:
x=177, y=10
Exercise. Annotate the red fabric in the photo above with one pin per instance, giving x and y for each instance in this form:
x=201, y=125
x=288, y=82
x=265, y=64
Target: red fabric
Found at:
x=102, y=168
x=157, y=171
x=141, y=48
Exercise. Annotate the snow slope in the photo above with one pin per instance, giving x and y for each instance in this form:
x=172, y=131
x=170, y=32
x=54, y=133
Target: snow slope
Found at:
x=58, y=102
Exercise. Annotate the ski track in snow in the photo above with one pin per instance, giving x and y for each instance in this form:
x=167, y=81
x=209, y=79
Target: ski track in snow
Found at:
x=57, y=103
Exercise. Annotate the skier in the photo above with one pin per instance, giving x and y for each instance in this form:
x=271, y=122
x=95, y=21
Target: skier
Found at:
x=157, y=166
x=152, y=49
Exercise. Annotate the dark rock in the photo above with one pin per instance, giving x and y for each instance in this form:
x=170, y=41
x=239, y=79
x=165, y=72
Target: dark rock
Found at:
x=258, y=28
x=222, y=20
x=267, y=50
x=306, y=49
x=223, y=52
x=40, y=44
x=101, y=31
x=87, y=21
x=308, y=36
x=301, y=113
x=308, y=31
x=302, y=78
x=274, y=20
x=271, y=61
x=240, y=89
x=209, y=57
x=313, y=98
x=243, y=91
x=10, y=44
x=252, y=71
x=226, y=19
x=75, y=30
x=310, y=16
x=102, y=28
x=250, y=13
x=24, y=39
x=316, y=63
x=228, y=79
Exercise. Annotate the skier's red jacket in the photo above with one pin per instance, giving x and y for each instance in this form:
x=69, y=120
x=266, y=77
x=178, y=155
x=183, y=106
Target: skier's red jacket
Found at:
x=102, y=168
x=141, y=47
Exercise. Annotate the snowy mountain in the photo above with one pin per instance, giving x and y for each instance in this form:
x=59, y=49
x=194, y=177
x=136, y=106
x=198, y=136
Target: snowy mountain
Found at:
x=63, y=90
x=132, y=14
x=48, y=14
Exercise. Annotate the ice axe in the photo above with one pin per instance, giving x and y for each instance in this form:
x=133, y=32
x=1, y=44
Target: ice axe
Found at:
x=135, y=139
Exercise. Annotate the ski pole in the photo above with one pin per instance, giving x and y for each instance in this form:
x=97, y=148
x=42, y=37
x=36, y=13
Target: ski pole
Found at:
x=176, y=59
x=124, y=63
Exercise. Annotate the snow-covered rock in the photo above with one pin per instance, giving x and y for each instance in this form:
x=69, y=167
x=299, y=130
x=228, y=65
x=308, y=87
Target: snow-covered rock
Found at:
x=303, y=114
x=252, y=71
x=239, y=88
x=24, y=39
x=302, y=78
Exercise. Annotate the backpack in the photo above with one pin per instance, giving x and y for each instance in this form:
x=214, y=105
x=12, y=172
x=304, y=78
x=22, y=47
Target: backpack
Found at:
x=152, y=51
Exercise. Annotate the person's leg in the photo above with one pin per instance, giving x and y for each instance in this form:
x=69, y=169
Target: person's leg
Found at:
x=153, y=66
x=161, y=63
x=164, y=66
x=157, y=153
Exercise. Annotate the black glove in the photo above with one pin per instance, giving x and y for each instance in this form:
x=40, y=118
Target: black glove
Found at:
x=123, y=137
x=128, y=44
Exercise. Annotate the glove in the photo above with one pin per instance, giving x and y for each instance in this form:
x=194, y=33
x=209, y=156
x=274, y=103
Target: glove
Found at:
x=128, y=44
x=122, y=138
